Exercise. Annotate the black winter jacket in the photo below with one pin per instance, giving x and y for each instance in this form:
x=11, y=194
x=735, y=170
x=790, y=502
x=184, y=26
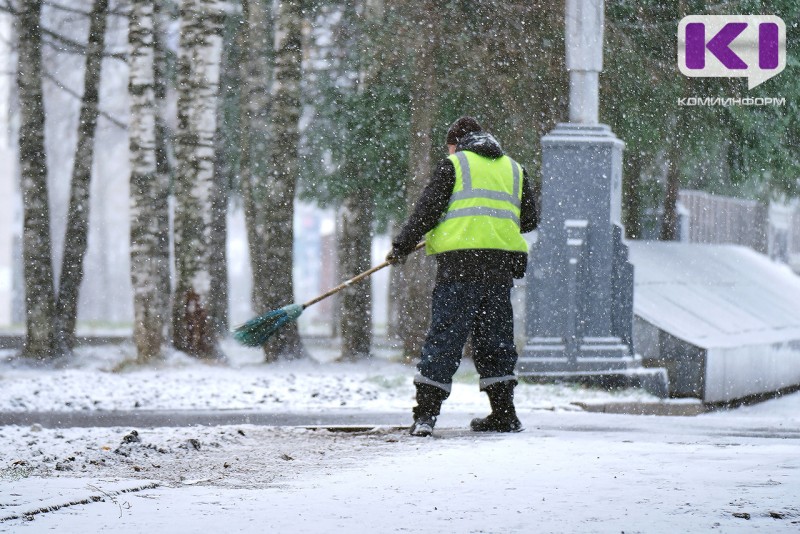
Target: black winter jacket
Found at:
x=466, y=265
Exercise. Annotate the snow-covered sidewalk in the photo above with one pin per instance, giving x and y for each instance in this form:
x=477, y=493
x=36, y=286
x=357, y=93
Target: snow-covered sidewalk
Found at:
x=570, y=471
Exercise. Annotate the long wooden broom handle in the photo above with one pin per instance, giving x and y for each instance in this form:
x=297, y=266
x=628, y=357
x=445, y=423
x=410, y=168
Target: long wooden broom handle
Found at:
x=353, y=280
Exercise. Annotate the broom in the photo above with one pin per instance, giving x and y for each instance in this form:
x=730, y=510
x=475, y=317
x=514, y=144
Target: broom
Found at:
x=258, y=330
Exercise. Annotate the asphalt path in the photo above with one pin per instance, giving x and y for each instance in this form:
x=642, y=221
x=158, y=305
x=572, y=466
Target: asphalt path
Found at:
x=363, y=420
x=182, y=418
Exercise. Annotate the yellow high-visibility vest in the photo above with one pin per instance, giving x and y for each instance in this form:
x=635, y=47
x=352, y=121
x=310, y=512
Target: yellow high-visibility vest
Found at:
x=484, y=208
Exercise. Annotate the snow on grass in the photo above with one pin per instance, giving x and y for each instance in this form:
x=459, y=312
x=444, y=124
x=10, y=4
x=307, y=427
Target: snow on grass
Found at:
x=104, y=378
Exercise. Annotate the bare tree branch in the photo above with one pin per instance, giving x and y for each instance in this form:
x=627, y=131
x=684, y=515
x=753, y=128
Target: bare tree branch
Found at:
x=64, y=40
x=7, y=7
x=11, y=44
x=116, y=122
x=74, y=47
x=68, y=9
x=110, y=55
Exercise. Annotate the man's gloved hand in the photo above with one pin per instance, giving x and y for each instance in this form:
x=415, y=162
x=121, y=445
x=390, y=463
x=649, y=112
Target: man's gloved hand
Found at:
x=395, y=257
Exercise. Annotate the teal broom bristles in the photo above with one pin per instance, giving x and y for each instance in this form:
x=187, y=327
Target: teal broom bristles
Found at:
x=257, y=331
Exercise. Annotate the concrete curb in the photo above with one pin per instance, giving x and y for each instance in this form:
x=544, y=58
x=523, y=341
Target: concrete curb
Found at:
x=682, y=409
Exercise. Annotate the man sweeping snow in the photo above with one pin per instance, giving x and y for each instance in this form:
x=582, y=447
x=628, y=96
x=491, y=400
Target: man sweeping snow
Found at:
x=472, y=214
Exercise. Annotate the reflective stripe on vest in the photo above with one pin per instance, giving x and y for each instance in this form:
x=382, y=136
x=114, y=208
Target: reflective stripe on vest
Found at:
x=468, y=192
x=477, y=217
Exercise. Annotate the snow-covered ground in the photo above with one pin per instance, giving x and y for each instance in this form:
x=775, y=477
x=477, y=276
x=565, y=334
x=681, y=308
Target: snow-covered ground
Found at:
x=102, y=378
x=570, y=471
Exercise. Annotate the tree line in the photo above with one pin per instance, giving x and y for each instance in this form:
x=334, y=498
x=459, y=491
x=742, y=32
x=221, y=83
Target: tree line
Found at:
x=346, y=103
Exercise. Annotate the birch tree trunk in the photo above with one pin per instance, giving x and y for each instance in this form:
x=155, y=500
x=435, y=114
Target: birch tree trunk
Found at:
x=198, y=84
x=223, y=177
x=218, y=299
x=355, y=251
x=148, y=190
x=418, y=271
x=255, y=42
x=280, y=188
x=76, y=238
x=36, y=253
x=164, y=174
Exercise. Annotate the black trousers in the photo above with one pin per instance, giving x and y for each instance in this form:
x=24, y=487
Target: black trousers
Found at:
x=482, y=309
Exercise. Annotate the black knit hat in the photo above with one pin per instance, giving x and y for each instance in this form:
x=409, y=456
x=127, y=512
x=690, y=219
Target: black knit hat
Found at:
x=462, y=127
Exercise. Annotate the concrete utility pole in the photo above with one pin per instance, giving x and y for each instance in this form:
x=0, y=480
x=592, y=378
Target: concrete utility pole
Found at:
x=580, y=286
x=584, y=54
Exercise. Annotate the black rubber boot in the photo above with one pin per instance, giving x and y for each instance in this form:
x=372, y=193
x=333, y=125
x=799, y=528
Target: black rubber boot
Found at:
x=504, y=416
x=429, y=403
